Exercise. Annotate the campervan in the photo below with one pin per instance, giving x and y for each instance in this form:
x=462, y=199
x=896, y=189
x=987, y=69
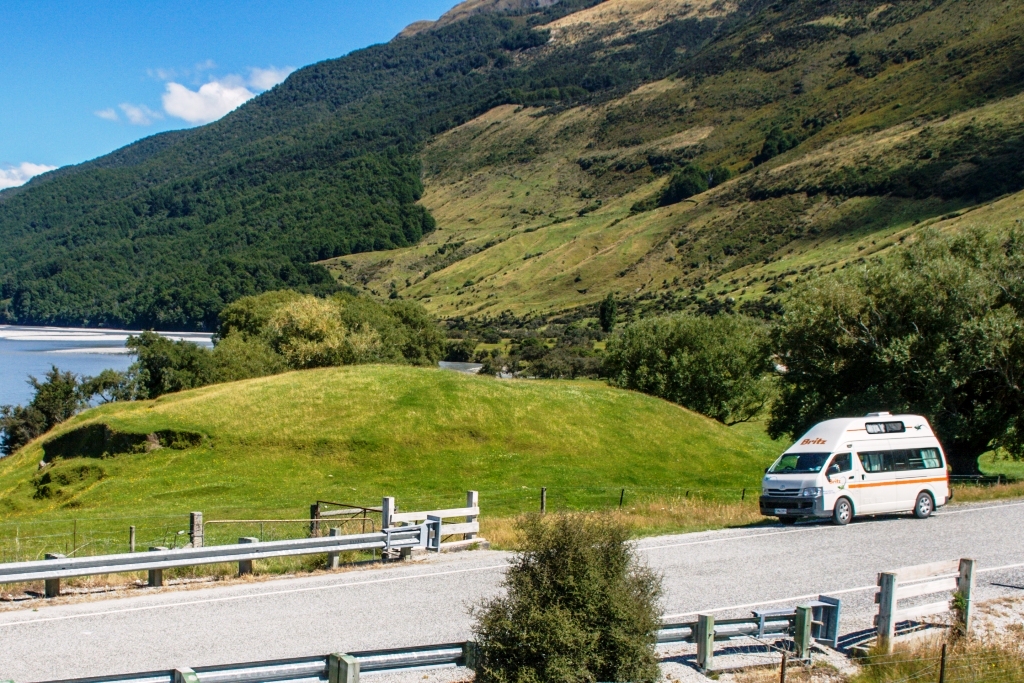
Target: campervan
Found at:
x=848, y=467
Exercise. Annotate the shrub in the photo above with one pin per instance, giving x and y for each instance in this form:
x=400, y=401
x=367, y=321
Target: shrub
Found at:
x=686, y=182
x=578, y=607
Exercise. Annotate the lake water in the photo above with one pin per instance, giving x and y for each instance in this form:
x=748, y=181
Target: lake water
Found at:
x=28, y=351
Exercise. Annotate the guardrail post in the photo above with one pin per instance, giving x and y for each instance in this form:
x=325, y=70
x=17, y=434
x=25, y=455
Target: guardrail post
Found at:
x=245, y=566
x=195, y=529
x=342, y=668
x=334, y=559
x=156, y=576
x=705, y=639
x=472, y=501
x=802, y=632
x=886, y=610
x=387, y=508
x=434, y=523
x=965, y=586
x=185, y=675
x=470, y=655
x=52, y=586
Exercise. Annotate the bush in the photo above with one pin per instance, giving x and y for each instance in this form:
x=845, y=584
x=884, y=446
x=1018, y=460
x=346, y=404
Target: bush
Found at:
x=717, y=366
x=578, y=607
x=688, y=181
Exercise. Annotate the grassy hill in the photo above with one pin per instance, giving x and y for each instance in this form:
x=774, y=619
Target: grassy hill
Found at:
x=270, y=447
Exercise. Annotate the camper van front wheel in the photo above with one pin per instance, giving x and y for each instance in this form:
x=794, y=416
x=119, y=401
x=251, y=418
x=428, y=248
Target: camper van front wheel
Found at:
x=842, y=514
x=924, y=506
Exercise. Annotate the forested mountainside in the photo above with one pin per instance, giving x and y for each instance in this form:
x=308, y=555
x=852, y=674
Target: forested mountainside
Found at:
x=517, y=158
x=845, y=126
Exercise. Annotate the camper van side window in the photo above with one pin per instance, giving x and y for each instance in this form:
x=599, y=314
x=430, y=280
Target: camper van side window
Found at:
x=925, y=459
x=901, y=460
x=844, y=461
x=885, y=427
x=876, y=462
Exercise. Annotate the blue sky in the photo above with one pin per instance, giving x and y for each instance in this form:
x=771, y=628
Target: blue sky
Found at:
x=80, y=79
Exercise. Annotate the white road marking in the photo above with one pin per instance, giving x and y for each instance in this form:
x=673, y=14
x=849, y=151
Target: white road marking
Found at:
x=247, y=596
x=988, y=507
x=735, y=538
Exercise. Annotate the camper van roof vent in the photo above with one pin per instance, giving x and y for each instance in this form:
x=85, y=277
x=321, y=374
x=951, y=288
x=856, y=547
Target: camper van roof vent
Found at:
x=882, y=414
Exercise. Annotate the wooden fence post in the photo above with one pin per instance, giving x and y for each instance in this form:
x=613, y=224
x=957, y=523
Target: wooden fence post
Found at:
x=195, y=529
x=387, y=508
x=314, y=519
x=965, y=586
x=342, y=668
x=472, y=501
x=705, y=641
x=156, y=576
x=543, y=499
x=131, y=539
x=245, y=566
x=802, y=632
x=886, y=610
x=52, y=586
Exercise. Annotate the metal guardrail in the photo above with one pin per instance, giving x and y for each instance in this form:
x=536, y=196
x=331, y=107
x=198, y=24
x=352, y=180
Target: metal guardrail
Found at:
x=818, y=620
x=56, y=567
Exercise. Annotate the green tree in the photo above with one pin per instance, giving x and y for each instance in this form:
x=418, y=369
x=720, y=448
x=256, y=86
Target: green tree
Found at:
x=775, y=143
x=607, y=313
x=578, y=607
x=56, y=399
x=718, y=366
x=686, y=182
x=934, y=330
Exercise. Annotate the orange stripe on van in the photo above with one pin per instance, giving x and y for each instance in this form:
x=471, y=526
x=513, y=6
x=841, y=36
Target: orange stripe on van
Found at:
x=897, y=482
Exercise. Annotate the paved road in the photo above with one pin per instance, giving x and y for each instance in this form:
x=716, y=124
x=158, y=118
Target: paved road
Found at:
x=427, y=602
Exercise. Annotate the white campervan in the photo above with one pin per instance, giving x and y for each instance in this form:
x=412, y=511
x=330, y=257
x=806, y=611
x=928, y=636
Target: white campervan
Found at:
x=870, y=465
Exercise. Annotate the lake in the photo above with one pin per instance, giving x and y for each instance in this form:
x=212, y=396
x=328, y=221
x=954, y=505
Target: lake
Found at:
x=28, y=351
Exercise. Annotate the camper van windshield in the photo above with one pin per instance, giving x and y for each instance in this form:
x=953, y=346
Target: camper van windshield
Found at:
x=794, y=463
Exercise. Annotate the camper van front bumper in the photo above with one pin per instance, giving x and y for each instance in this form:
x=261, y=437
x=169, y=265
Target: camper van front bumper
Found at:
x=792, y=506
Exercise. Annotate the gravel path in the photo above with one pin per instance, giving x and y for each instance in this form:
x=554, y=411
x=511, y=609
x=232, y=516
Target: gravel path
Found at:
x=725, y=572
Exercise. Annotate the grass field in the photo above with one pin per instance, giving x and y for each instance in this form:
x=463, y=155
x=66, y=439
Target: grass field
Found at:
x=272, y=446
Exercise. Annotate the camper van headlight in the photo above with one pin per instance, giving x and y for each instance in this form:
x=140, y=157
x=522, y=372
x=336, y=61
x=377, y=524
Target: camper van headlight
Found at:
x=811, y=492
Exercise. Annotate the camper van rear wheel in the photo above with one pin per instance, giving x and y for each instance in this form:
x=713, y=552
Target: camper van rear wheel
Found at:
x=924, y=505
x=842, y=513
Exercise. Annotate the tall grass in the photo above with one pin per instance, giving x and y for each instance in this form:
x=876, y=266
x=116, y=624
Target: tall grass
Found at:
x=977, y=661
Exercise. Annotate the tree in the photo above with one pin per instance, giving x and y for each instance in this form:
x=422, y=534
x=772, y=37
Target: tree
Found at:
x=934, y=330
x=775, y=143
x=166, y=366
x=578, y=607
x=56, y=399
x=607, y=313
x=718, y=366
x=686, y=182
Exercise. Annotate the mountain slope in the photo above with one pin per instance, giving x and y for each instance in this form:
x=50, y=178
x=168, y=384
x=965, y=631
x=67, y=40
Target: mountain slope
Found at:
x=543, y=135
x=901, y=115
x=166, y=231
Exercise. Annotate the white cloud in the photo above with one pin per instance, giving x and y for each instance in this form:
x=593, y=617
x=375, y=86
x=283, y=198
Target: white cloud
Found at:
x=14, y=176
x=109, y=114
x=265, y=79
x=212, y=101
x=139, y=115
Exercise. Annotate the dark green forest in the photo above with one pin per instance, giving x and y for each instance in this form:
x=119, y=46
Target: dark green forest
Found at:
x=167, y=231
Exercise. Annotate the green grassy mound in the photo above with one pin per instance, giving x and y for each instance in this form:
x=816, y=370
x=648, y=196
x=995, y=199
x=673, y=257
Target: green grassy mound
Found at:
x=272, y=446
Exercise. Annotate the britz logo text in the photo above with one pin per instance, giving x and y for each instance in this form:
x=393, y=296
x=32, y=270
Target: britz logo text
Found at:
x=816, y=442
